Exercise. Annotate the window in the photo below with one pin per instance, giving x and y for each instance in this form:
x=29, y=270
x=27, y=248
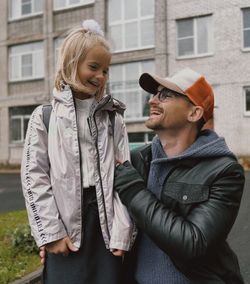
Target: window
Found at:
x=139, y=138
x=26, y=61
x=131, y=24
x=247, y=101
x=125, y=87
x=19, y=118
x=64, y=4
x=24, y=8
x=246, y=28
x=57, y=44
x=194, y=36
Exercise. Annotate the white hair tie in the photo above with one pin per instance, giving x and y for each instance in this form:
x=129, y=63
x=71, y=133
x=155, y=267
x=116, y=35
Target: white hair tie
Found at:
x=92, y=26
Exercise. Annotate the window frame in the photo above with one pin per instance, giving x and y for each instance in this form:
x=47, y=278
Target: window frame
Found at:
x=21, y=118
x=19, y=56
x=246, y=112
x=137, y=20
x=70, y=6
x=20, y=16
x=243, y=29
x=195, y=37
x=125, y=90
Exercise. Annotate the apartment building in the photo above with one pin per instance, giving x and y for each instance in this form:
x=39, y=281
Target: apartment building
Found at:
x=157, y=36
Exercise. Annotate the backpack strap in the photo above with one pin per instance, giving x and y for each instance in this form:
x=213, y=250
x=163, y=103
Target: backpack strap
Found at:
x=46, y=115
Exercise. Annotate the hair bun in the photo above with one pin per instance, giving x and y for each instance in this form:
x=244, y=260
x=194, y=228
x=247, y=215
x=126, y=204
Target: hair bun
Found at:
x=92, y=26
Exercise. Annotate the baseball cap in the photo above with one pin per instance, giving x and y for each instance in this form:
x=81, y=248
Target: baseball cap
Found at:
x=186, y=82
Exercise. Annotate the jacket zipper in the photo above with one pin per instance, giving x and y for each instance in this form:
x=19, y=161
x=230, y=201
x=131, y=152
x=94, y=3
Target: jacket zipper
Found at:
x=99, y=171
x=80, y=166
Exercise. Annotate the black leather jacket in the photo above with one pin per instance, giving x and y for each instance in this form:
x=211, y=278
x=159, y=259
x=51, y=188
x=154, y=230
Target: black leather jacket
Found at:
x=196, y=211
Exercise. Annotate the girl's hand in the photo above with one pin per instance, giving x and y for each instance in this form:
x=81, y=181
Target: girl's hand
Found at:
x=42, y=254
x=118, y=162
x=63, y=246
x=118, y=252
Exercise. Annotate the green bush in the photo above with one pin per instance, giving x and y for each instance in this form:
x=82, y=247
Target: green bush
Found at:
x=18, y=253
x=22, y=240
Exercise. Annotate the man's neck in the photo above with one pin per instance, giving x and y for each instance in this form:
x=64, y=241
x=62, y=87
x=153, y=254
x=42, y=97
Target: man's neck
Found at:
x=174, y=144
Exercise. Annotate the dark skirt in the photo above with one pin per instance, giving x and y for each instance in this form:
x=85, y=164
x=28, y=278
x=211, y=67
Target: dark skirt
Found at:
x=93, y=263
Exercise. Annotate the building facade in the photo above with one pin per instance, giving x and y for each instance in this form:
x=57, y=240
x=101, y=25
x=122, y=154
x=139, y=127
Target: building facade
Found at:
x=212, y=37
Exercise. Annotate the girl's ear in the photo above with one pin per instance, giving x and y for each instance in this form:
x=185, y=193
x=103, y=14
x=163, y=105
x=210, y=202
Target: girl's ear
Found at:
x=195, y=114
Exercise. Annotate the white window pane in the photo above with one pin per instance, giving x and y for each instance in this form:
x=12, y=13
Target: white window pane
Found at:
x=133, y=104
x=185, y=47
x=14, y=67
x=148, y=66
x=116, y=37
x=114, y=10
x=247, y=38
x=38, y=64
x=16, y=129
x=185, y=28
x=74, y=2
x=19, y=49
x=130, y=9
x=132, y=71
x=147, y=8
x=115, y=73
x=57, y=45
x=125, y=87
x=26, y=7
x=131, y=35
x=202, y=35
x=247, y=99
x=59, y=4
x=246, y=18
x=15, y=9
x=26, y=68
x=22, y=68
x=38, y=5
x=147, y=32
x=116, y=79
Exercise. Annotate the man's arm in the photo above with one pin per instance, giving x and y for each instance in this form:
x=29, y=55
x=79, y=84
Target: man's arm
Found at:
x=179, y=236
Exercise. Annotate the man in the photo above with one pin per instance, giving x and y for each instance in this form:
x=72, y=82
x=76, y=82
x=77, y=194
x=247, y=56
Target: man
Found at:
x=184, y=190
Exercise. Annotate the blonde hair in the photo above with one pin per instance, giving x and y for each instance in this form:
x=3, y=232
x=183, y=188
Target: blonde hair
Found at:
x=72, y=52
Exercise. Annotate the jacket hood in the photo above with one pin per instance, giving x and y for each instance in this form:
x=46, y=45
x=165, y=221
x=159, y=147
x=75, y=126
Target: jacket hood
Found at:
x=106, y=103
x=207, y=145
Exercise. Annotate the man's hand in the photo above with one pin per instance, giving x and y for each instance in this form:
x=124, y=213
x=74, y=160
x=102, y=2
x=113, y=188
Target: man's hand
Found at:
x=127, y=182
x=63, y=246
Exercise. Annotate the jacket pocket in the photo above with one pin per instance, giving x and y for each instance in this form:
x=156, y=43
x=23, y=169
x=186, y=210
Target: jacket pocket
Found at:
x=185, y=193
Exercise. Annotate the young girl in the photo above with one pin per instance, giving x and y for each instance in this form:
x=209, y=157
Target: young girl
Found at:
x=67, y=172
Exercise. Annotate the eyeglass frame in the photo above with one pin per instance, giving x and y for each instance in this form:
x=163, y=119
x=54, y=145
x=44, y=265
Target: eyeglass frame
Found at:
x=170, y=94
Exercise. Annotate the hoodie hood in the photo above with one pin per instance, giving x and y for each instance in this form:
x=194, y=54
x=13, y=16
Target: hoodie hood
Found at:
x=207, y=145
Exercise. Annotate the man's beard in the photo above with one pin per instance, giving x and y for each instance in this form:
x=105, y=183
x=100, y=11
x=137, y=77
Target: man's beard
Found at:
x=154, y=125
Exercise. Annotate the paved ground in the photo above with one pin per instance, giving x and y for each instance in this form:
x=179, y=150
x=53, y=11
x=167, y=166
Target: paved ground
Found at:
x=239, y=237
x=10, y=192
x=11, y=199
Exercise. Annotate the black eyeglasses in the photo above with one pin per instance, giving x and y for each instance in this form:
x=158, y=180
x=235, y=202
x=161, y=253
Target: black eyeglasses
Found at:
x=165, y=94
